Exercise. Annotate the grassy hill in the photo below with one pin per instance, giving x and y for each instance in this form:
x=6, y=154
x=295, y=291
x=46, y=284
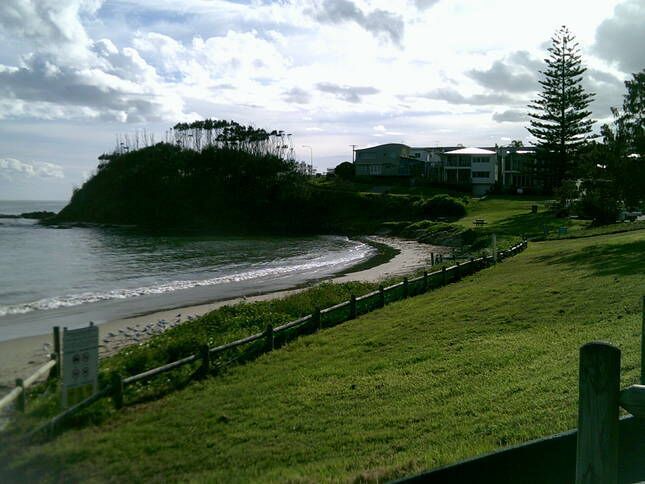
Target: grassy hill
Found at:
x=486, y=363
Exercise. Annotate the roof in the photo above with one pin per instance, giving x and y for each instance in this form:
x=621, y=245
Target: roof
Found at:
x=470, y=151
x=383, y=146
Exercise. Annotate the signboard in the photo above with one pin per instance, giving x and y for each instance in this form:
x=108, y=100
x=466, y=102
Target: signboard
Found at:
x=80, y=363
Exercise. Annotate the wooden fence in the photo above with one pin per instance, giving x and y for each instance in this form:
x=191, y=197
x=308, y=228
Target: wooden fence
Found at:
x=272, y=337
x=605, y=449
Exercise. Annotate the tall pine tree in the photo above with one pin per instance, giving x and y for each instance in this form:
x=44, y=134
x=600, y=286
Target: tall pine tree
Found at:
x=560, y=119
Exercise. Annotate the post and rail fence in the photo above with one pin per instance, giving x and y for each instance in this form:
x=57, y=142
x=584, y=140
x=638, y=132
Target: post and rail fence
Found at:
x=319, y=319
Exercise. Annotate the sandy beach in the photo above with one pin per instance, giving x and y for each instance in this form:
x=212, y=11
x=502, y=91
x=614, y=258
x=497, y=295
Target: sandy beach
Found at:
x=20, y=357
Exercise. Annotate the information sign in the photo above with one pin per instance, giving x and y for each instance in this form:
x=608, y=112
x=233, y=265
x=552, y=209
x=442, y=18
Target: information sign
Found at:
x=80, y=363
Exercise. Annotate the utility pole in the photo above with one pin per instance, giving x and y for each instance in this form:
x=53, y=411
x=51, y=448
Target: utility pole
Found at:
x=353, y=152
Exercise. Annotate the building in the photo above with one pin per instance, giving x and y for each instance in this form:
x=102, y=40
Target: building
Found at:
x=392, y=159
x=476, y=167
x=518, y=168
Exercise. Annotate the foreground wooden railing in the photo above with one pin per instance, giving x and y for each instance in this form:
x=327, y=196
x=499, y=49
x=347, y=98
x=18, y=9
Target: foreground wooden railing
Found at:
x=19, y=393
x=604, y=449
x=315, y=321
x=598, y=410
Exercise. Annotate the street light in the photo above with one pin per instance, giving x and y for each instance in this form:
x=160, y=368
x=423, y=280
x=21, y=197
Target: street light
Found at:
x=311, y=158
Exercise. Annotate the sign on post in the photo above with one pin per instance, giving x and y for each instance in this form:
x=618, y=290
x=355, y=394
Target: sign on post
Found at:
x=80, y=363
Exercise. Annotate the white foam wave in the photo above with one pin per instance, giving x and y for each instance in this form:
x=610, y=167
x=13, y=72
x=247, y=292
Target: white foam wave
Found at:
x=354, y=254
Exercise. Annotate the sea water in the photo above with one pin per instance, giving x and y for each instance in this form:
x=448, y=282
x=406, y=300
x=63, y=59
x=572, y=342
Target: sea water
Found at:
x=70, y=276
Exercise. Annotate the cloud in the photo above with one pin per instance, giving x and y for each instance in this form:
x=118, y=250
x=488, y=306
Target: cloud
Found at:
x=346, y=93
x=620, y=38
x=120, y=86
x=424, y=4
x=49, y=24
x=518, y=72
x=454, y=97
x=10, y=168
x=380, y=23
x=510, y=116
x=297, y=96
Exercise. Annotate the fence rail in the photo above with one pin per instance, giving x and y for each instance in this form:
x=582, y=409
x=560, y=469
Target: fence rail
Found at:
x=19, y=392
x=409, y=287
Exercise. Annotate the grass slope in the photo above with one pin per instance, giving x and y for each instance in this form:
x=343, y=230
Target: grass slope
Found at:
x=486, y=363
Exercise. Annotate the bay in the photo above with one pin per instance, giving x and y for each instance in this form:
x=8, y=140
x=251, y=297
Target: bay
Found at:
x=70, y=276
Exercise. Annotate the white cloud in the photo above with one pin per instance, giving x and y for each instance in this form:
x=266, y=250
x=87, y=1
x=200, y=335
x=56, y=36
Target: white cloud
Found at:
x=11, y=168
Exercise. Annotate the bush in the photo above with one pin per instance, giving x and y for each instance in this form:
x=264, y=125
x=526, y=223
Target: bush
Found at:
x=345, y=170
x=442, y=206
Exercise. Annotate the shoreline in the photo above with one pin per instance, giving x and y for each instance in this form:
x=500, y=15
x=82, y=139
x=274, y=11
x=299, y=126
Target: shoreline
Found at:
x=21, y=356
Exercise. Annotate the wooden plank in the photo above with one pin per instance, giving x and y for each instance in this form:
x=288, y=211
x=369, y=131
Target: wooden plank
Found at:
x=157, y=371
x=632, y=399
x=43, y=370
x=239, y=342
x=332, y=308
x=291, y=324
x=597, y=446
x=10, y=397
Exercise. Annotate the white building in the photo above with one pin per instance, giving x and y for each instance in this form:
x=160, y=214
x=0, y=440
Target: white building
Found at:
x=471, y=166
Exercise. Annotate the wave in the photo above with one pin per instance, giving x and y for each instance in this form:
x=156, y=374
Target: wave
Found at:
x=354, y=254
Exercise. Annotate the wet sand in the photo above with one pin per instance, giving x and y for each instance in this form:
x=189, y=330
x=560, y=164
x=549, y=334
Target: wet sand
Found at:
x=20, y=357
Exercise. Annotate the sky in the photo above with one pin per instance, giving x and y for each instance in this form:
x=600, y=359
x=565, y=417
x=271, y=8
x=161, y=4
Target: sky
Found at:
x=74, y=74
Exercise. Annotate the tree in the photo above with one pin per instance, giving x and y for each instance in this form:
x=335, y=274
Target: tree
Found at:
x=624, y=144
x=345, y=170
x=560, y=119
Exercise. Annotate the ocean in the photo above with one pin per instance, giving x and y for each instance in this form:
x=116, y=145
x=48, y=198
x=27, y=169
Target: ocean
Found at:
x=70, y=276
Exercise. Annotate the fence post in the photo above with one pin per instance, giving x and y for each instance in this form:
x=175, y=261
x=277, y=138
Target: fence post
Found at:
x=268, y=333
x=315, y=319
x=458, y=270
x=205, y=356
x=352, y=307
x=472, y=266
x=381, y=296
x=643, y=346
x=431, y=258
x=494, y=248
x=597, y=450
x=406, y=288
x=443, y=276
x=57, y=351
x=22, y=398
x=117, y=390
x=425, y=281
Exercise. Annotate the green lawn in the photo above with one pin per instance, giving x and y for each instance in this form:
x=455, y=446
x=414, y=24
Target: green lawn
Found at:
x=475, y=366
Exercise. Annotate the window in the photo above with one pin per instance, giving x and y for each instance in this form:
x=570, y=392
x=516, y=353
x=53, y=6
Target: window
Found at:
x=481, y=174
x=375, y=169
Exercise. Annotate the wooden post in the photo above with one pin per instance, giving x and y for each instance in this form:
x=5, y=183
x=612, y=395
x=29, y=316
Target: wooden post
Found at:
x=22, y=398
x=117, y=390
x=205, y=356
x=494, y=244
x=643, y=346
x=315, y=320
x=352, y=307
x=443, y=276
x=57, y=351
x=432, y=258
x=381, y=296
x=472, y=265
x=458, y=270
x=268, y=332
x=425, y=281
x=597, y=452
x=406, y=288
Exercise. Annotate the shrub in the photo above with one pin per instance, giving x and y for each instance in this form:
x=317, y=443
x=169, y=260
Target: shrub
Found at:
x=442, y=206
x=345, y=170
